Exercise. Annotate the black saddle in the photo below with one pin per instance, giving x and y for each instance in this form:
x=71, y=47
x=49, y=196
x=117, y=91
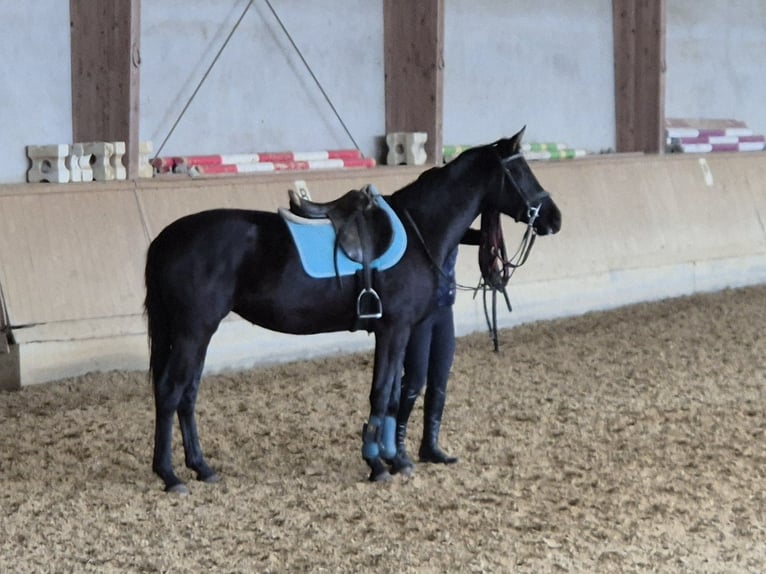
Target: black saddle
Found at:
x=362, y=229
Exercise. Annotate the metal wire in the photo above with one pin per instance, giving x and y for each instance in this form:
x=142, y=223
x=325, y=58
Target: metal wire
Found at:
x=218, y=55
x=204, y=77
x=310, y=71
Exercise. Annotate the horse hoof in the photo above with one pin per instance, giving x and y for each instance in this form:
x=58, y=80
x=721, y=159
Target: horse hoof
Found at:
x=212, y=479
x=406, y=471
x=180, y=489
x=383, y=476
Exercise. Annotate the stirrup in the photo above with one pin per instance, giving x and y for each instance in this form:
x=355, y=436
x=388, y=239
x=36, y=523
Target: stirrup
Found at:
x=375, y=306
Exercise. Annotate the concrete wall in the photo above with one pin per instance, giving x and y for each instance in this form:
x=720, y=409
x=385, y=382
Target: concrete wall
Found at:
x=259, y=96
x=548, y=65
x=35, y=90
x=636, y=228
x=508, y=63
x=715, y=60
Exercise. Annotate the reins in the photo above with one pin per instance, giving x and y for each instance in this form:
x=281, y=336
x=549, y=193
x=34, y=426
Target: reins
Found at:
x=495, y=265
x=423, y=244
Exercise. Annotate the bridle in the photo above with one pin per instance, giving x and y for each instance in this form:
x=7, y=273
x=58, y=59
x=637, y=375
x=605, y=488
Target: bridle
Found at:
x=533, y=200
x=495, y=265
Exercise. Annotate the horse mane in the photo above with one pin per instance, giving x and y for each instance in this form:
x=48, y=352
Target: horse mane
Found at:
x=438, y=176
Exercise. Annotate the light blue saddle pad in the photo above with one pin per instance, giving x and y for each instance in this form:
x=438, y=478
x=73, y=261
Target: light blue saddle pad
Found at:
x=315, y=241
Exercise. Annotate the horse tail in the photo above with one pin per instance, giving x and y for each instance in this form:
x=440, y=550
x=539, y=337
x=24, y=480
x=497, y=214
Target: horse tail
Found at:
x=157, y=318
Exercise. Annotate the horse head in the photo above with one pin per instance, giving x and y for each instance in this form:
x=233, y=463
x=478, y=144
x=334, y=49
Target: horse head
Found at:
x=520, y=194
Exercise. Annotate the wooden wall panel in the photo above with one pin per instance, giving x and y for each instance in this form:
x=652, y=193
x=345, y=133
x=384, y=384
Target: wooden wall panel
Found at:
x=414, y=68
x=636, y=228
x=639, y=74
x=105, y=41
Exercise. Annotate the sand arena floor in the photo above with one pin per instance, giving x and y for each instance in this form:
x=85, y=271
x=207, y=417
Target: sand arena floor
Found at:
x=627, y=441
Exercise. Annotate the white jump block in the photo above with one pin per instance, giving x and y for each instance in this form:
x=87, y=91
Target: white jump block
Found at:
x=116, y=160
x=107, y=160
x=101, y=163
x=48, y=163
x=145, y=168
x=406, y=147
x=78, y=163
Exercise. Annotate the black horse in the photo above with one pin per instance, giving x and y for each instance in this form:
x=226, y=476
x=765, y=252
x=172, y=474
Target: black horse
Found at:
x=202, y=266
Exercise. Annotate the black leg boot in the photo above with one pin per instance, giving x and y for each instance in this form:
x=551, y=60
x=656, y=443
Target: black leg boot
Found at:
x=402, y=463
x=432, y=419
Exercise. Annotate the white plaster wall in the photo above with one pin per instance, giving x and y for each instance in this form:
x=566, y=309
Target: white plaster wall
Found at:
x=259, y=96
x=35, y=81
x=548, y=65
x=507, y=63
x=716, y=60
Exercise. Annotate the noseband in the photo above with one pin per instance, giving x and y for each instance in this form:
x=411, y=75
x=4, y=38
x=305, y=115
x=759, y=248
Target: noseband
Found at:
x=533, y=200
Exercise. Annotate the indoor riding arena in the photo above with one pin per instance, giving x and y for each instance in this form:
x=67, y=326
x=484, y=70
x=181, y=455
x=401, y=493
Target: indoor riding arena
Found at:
x=618, y=427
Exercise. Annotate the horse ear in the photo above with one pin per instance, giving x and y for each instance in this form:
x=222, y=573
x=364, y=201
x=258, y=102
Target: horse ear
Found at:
x=512, y=145
x=517, y=137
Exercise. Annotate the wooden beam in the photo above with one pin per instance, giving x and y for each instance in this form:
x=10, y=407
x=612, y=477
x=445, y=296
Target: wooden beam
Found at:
x=414, y=69
x=639, y=74
x=105, y=73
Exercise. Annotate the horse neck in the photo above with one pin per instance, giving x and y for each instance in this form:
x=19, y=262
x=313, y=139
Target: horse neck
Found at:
x=443, y=211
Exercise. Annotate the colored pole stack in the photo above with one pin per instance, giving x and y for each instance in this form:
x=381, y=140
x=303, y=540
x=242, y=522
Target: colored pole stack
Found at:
x=262, y=162
x=555, y=154
x=711, y=135
x=532, y=151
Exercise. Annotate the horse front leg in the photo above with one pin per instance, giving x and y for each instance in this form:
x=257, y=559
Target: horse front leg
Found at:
x=399, y=403
x=379, y=434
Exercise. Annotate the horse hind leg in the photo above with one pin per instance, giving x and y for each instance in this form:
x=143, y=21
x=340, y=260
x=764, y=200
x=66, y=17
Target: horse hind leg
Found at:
x=176, y=393
x=187, y=421
x=166, y=399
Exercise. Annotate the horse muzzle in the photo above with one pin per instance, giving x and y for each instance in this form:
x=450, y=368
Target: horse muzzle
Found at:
x=548, y=221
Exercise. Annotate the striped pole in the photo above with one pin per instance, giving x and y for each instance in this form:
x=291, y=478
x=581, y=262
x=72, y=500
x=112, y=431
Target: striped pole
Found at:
x=683, y=128
x=273, y=166
x=543, y=146
x=533, y=150
x=269, y=157
x=719, y=147
x=268, y=161
x=555, y=154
